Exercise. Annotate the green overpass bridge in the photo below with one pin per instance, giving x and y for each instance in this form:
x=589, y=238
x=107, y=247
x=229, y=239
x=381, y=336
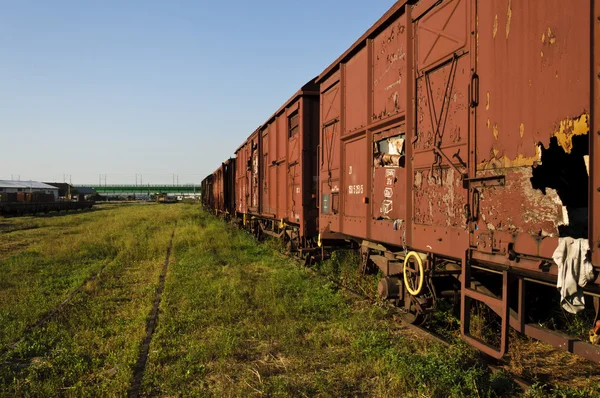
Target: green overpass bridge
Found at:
x=145, y=189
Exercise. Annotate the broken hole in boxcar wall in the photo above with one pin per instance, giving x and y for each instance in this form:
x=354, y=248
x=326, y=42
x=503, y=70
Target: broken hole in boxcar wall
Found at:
x=562, y=166
x=389, y=157
x=390, y=152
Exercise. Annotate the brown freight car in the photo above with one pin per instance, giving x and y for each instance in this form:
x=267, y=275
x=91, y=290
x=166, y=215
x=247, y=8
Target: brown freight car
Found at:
x=223, y=190
x=277, y=171
x=455, y=139
x=206, y=192
x=218, y=189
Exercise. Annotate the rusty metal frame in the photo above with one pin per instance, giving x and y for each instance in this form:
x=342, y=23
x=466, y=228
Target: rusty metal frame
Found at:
x=498, y=305
x=515, y=319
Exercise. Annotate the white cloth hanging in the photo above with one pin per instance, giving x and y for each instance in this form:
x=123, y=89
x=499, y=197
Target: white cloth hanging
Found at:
x=574, y=272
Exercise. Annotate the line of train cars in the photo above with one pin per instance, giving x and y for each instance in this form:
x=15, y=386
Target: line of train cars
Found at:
x=22, y=203
x=456, y=144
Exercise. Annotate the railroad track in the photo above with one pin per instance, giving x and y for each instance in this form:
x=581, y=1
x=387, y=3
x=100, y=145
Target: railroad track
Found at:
x=152, y=320
x=140, y=366
x=491, y=363
x=50, y=314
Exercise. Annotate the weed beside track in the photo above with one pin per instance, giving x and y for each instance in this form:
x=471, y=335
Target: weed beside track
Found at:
x=140, y=366
x=235, y=318
x=89, y=346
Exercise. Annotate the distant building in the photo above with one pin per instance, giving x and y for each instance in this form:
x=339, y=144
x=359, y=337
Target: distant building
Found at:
x=65, y=190
x=84, y=193
x=9, y=186
x=69, y=192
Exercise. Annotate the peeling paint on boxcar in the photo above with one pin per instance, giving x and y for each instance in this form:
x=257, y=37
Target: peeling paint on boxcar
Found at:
x=495, y=131
x=551, y=37
x=522, y=130
x=495, y=30
x=518, y=208
x=442, y=98
x=542, y=192
x=565, y=131
x=504, y=162
x=389, y=70
x=439, y=198
x=568, y=128
x=508, y=18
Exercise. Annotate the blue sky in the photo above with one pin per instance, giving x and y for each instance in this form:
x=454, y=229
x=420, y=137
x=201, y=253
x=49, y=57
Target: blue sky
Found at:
x=155, y=87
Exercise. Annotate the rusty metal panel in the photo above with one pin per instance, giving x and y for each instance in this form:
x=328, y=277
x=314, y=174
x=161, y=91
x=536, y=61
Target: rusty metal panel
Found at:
x=442, y=65
x=294, y=141
x=241, y=172
x=272, y=142
x=443, y=105
x=442, y=31
x=280, y=126
x=355, y=197
x=282, y=184
x=356, y=87
x=265, y=184
x=331, y=104
x=218, y=196
x=594, y=161
x=330, y=148
x=389, y=70
x=294, y=136
x=329, y=154
x=254, y=178
x=450, y=242
x=295, y=193
x=534, y=131
x=271, y=185
x=439, y=198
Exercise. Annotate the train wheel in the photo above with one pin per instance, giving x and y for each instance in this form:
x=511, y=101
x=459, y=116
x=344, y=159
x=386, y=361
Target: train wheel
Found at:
x=411, y=312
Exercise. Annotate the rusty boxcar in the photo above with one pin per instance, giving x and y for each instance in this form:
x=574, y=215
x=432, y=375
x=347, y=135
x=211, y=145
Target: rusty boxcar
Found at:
x=277, y=172
x=206, y=192
x=461, y=137
x=218, y=189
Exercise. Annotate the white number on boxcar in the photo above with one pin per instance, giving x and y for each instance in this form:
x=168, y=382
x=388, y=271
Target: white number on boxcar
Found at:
x=355, y=189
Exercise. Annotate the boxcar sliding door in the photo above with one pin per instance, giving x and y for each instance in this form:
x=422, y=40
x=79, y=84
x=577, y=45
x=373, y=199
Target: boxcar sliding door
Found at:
x=443, y=77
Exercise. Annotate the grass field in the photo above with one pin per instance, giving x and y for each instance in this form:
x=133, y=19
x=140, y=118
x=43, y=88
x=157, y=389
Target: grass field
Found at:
x=236, y=318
